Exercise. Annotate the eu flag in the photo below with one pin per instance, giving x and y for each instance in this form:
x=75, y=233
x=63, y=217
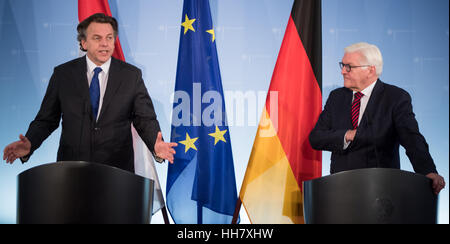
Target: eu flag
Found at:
x=201, y=185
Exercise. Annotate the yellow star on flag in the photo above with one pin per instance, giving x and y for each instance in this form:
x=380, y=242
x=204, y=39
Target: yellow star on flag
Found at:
x=189, y=143
x=212, y=33
x=218, y=135
x=187, y=24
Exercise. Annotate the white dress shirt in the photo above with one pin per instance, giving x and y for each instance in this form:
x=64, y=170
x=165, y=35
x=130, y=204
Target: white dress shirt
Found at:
x=102, y=78
x=364, y=100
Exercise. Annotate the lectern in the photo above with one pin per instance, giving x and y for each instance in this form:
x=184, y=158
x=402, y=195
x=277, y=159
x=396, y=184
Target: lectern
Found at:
x=83, y=192
x=370, y=196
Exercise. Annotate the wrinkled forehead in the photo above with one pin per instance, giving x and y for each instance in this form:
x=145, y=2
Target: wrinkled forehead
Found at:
x=353, y=58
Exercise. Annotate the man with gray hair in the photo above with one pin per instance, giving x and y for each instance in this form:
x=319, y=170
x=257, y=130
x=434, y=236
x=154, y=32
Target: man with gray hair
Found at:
x=364, y=122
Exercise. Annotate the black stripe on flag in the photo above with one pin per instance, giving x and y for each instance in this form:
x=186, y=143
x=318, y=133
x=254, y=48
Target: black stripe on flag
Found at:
x=307, y=16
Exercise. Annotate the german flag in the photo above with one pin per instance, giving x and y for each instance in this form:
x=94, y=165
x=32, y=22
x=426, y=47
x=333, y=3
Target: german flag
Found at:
x=282, y=157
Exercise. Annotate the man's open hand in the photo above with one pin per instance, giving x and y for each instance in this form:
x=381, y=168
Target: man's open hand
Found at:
x=163, y=149
x=17, y=149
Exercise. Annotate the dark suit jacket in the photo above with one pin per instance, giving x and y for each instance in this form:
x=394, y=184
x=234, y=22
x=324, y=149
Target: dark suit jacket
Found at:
x=109, y=140
x=387, y=122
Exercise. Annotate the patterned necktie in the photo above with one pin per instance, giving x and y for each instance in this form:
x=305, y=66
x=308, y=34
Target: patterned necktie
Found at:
x=94, y=91
x=355, y=109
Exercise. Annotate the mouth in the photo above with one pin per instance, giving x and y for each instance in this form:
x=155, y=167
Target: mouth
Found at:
x=103, y=52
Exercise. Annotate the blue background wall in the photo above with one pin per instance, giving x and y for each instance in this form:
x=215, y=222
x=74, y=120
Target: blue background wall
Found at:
x=413, y=35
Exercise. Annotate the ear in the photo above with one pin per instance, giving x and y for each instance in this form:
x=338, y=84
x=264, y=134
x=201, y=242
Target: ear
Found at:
x=83, y=44
x=373, y=69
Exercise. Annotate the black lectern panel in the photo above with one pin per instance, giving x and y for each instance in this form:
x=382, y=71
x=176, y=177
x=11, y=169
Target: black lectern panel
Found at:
x=82, y=192
x=370, y=196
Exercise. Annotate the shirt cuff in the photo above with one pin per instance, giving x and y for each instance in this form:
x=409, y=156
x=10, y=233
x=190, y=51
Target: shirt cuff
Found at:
x=25, y=159
x=158, y=159
x=346, y=143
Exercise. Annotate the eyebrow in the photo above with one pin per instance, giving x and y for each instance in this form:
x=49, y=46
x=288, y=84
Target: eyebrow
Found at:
x=97, y=35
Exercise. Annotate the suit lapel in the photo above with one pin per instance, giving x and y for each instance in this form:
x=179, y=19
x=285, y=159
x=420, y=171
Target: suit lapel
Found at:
x=81, y=83
x=373, y=101
x=348, y=108
x=112, y=86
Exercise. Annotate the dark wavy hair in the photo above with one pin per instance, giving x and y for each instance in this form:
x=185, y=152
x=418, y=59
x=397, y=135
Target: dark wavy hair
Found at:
x=97, y=18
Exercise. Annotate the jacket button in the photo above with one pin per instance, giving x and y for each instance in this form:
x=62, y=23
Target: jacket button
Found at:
x=96, y=129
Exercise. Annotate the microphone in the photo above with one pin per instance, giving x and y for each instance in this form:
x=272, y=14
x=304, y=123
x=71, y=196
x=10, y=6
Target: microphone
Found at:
x=370, y=125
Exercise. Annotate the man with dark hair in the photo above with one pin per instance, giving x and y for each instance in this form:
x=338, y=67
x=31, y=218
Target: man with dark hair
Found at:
x=97, y=18
x=98, y=98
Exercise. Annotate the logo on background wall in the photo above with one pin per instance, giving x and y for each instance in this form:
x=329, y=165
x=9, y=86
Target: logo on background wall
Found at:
x=206, y=109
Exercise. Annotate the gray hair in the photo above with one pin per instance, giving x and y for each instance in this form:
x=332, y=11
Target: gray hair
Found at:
x=370, y=52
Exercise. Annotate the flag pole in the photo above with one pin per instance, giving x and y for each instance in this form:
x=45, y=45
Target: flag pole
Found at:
x=199, y=213
x=236, y=211
x=165, y=215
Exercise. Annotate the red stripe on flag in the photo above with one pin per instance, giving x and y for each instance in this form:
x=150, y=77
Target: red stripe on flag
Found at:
x=299, y=105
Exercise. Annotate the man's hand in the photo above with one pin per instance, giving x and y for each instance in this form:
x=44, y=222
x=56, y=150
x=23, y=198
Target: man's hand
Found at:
x=350, y=135
x=164, y=150
x=17, y=149
x=438, y=182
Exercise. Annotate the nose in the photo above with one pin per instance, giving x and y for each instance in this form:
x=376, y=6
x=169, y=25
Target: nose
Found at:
x=104, y=42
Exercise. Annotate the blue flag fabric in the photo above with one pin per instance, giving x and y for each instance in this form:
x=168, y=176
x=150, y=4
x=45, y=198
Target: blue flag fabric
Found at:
x=201, y=184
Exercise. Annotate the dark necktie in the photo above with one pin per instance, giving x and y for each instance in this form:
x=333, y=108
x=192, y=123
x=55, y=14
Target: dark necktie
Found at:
x=94, y=91
x=355, y=109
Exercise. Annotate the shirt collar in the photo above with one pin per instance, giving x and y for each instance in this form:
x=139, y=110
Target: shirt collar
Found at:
x=91, y=65
x=368, y=91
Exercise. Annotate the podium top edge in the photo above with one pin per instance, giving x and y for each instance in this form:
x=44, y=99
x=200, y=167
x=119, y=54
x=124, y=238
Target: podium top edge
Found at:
x=367, y=171
x=79, y=164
